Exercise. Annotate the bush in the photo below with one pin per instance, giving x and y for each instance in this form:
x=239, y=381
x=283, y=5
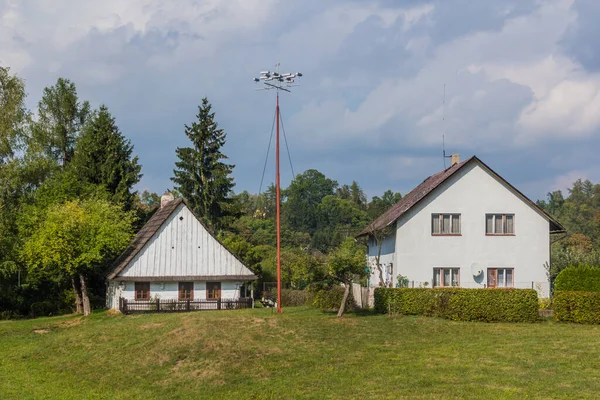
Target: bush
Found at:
x=487, y=305
x=545, y=304
x=581, y=278
x=576, y=306
x=330, y=299
x=294, y=298
x=42, y=309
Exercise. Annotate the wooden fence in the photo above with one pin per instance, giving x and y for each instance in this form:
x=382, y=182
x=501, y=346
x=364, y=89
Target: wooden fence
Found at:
x=159, y=305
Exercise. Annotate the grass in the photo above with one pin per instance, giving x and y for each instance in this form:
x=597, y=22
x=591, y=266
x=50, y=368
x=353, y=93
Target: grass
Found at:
x=302, y=354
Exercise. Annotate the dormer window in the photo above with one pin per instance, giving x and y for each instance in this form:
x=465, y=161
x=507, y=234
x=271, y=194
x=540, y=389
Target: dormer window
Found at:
x=500, y=224
x=445, y=224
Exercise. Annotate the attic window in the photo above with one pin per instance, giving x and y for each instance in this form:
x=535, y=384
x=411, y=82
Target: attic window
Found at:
x=181, y=218
x=445, y=224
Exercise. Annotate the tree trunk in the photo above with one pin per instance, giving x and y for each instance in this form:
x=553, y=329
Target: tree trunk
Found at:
x=378, y=261
x=84, y=296
x=77, y=291
x=343, y=305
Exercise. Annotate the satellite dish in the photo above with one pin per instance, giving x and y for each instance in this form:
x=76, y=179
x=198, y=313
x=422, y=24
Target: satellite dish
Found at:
x=476, y=269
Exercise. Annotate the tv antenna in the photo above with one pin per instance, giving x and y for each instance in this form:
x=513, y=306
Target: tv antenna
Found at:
x=278, y=81
x=444, y=156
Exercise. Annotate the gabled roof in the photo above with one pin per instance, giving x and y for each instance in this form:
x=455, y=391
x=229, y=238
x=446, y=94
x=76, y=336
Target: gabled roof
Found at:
x=430, y=184
x=149, y=230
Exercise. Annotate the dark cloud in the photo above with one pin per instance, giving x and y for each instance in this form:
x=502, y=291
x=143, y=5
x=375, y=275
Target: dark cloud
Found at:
x=581, y=40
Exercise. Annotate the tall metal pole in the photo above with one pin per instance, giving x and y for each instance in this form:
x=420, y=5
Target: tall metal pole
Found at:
x=278, y=81
x=278, y=199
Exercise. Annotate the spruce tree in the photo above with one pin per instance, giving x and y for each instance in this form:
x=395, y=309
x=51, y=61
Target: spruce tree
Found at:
x=103, y=156
x=201, y=175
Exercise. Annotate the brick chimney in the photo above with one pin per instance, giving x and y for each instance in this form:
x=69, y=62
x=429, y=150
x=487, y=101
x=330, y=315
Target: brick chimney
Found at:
x=454, y=159
x=165, y=198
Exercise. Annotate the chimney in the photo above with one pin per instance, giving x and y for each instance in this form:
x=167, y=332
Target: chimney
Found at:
x=165, y=198
x=454, y=159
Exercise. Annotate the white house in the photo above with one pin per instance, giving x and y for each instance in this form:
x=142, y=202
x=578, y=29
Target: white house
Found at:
x=175, y=257
x=466, y=227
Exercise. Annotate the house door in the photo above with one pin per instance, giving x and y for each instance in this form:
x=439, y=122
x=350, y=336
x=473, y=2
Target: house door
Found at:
x=492, y=278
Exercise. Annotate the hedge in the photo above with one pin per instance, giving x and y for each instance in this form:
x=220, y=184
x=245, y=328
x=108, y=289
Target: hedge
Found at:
x=293, y=298
x=581, y=278
x=330, y=299
x=487, y=305
x=577, y=306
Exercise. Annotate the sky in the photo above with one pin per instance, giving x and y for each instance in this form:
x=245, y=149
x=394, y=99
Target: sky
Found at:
x=521, y=79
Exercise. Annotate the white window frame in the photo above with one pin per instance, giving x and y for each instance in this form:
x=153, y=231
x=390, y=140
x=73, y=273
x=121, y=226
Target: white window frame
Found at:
x=440, y=222
x=504, y=224
x=505, y=284
x=442, y=283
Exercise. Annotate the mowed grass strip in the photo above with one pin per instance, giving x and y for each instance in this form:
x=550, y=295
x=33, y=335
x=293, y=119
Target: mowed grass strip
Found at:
x=302, y=354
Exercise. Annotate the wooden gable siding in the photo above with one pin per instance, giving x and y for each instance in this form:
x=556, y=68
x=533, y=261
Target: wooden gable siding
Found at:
x=183, y=247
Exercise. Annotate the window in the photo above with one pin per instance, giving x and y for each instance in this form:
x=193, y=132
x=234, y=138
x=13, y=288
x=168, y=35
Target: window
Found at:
x=446, y=277
x=142, y=290
x=213, y=290
x=500, y=277
x=445, y=224
x=186, y=290
x=500, y=224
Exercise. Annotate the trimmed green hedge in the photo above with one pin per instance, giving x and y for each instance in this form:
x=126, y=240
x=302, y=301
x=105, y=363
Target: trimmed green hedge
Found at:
x=580, y=278
x=330, y=299
x=294, y=298
x=487, y=305
x=576, y=306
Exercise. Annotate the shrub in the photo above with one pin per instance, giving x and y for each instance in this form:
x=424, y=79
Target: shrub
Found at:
x=488, y=305
x=330, y=299
x=581, y=278
x=577, y=306
x=545, y=304
x=294, y=298
x=42, y=309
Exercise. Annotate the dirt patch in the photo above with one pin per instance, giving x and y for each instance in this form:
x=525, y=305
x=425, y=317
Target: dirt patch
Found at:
x=153, y=325
x=113, y=312
x=70, y=323
x=41, y=331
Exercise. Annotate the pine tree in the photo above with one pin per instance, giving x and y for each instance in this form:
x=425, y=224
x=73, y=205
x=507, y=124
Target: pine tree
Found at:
x=103, y=156
x=201, y=175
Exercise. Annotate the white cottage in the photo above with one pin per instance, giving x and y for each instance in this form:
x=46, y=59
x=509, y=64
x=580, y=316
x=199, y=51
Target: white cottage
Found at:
x=466, y=227
x=175, y=257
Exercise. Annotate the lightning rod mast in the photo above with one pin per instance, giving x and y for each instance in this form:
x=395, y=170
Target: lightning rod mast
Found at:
x=277, y=81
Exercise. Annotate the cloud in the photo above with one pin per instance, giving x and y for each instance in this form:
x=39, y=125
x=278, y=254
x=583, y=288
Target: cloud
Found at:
x=521, y=78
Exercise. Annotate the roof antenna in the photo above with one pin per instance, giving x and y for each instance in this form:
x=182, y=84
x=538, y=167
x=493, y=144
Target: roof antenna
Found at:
x=444, y=156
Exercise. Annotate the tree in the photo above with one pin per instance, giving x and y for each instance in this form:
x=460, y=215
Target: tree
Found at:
x=379, y=205
x=13, y=114
x=76, y=239
x=103, y=156
x=346, y=263
x=201, y=175
x=60, y=118
x=303, y=196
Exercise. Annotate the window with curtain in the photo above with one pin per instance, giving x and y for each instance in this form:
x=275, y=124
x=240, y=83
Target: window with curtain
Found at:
x=446, y=277
x=213, y=290
x=500, y=277
x=500, y=224
x=445, y=224
x=186, y=290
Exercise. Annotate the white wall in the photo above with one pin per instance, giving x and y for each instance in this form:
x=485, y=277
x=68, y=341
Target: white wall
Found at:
x=182, y=247
x=167, y=291
x=386, y=260
x=473, y=192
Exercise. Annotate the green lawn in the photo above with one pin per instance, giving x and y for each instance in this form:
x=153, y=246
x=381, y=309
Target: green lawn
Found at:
x=302, y=354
